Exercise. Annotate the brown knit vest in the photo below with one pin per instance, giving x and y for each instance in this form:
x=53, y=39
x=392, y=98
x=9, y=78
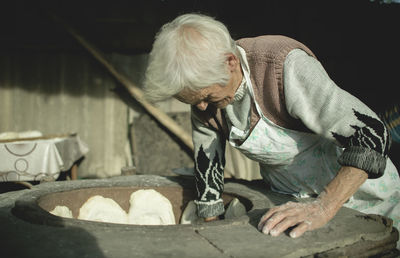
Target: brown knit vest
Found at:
x=265, y=56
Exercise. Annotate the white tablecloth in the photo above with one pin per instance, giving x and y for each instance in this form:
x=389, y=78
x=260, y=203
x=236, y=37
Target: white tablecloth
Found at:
x=35, y=160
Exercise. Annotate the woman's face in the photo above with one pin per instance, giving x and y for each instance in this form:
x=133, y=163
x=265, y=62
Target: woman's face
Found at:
x=217, y=95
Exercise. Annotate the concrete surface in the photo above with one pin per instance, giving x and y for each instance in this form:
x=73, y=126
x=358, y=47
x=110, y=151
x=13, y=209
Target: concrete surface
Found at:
x=156, y=151
x=29, y=231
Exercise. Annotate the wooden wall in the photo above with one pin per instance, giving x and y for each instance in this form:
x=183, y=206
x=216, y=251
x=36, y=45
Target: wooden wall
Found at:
x=58, y=93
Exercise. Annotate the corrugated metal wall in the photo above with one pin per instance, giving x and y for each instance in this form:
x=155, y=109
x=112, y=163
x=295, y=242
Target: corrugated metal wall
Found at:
x=59, y=93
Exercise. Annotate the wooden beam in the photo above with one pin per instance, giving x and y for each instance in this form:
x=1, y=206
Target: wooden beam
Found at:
x=134, y=91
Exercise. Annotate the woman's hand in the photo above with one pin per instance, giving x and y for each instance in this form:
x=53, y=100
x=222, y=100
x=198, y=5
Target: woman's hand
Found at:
x=307, y=216
x=210, y=219
x=312, y=215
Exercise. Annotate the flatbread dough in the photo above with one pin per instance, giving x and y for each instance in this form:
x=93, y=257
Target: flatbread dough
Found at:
x=98, y=208
x=235, y=209
x=189, y=215
x=62, y=211
x=149, y=207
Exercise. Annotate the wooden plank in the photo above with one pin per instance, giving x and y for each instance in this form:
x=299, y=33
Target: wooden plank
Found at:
x=44, y=137
x=134, y=91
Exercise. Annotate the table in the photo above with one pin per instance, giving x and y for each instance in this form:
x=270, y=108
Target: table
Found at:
x=40, y=158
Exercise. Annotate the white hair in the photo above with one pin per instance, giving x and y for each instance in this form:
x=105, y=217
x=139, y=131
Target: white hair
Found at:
x=189, y=52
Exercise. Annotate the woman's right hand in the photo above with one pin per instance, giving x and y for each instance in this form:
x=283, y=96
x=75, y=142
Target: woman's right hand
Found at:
x=210, y=219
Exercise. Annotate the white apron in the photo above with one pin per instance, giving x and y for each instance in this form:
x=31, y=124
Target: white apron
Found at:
x=301, y=164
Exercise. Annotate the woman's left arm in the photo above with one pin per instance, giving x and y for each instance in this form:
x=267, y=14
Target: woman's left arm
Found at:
x=308, y=216
x=327, y=110
x=312, y=97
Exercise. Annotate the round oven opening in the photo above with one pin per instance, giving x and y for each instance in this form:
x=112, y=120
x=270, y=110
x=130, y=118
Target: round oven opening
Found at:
x=179, y=198
x=35, y=205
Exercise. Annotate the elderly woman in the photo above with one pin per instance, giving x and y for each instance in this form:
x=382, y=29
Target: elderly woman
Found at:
x=270, y=98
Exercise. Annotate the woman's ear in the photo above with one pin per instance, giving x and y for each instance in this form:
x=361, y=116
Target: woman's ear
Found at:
x=233, y=62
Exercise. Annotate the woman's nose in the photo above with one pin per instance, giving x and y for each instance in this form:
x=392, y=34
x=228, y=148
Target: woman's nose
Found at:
x=202, y=105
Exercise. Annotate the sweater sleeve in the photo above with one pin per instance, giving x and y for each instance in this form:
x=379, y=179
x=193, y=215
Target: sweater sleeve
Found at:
x=326, y=109
x=209, y=151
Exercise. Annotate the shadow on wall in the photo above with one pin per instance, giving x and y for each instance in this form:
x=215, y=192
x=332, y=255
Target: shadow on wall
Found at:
x=75, y=74
x=355, y=40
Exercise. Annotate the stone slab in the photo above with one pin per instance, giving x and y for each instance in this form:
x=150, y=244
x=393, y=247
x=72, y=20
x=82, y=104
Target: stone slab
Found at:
x=347, y=228
x=39, y=234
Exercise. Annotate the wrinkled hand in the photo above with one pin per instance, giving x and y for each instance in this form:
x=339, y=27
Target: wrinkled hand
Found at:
x=307, y=216
x=211, y=218
x=311, y=215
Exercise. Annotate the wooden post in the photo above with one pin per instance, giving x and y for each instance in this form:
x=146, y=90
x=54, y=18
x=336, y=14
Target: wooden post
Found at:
x=135, y=91
x=74, y=172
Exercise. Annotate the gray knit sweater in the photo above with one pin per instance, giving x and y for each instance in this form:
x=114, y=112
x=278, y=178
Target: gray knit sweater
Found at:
x=311, y=97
